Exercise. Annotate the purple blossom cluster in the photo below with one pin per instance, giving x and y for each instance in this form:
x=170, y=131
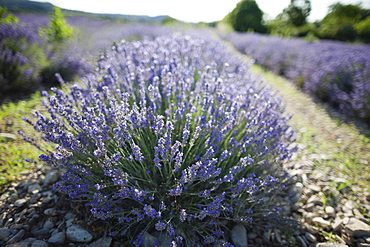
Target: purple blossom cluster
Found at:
x=334, y=72
x=169, y=135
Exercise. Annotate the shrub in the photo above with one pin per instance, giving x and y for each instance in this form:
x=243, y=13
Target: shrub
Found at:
x=27, y=63
x=71, y=64
x=21, y=59
x=59, y=31
x=169, y=136
x=9, y=18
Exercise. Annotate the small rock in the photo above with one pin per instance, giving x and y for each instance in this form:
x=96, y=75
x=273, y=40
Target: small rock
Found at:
x=48, y=224
x=148, y=240
x=357, y=228
x=310, y=237
x=164, y=239
x=314, y=188
x=363, y=245
x=239, y=236
x=69, y=216
x=252, y=235
x=359, y=215
x=309, y=207
x=51, y=212
x=296, y=192
x=360, y=240
x=347, y=239
x=29, y=240
x=301, y=241
x=51, y=177
x=57, y=238
x=348, y=206
x=40, y=232
x=35, y=198
x=312, y=229
x=46, y=200
x=8, y=135
x=13, y=197
x=320, y=221
x=330, y=211
x=5, y=234
x=337, y=225
x=20, y=202
x=39, y=243
x=3, y=218
x=331, y=245
x=34, y=188
x=346, y=220
x=367, y=239
x=17, y=237
x=308, y=217
x=106, y=242
x=19, y=244
x=69, y=222
x=76, y=233
x=315, y=200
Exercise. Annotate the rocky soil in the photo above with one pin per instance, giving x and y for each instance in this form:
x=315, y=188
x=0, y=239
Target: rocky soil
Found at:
x=32, y=214
x=330, y=210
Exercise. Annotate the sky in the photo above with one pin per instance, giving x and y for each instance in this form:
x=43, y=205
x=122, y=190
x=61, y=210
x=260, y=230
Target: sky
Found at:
x=191, y=10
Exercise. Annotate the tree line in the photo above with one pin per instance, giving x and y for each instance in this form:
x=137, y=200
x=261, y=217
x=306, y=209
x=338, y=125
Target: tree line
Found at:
x=344, y=22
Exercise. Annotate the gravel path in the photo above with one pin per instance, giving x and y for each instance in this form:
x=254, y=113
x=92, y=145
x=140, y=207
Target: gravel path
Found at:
x=333, y=201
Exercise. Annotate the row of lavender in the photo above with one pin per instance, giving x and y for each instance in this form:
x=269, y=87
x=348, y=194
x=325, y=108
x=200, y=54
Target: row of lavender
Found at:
x=334, y=72
x=27, y=63
x=170, y=136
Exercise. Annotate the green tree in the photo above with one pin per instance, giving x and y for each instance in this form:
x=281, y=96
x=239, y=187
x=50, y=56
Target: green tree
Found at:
x=297, y=12
x=246, y=16
x=339, y=22
x=363, y=29
x=58, y=31
x=7, y=18
x=292, y=22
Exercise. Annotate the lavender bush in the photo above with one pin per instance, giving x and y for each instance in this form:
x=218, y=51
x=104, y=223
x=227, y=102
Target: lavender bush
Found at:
x=169, y=136
x=21, y=58
x=28, y=64
x=332, y=71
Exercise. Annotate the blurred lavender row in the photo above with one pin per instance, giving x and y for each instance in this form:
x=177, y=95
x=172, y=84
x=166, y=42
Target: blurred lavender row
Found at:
x=21, y=57
x=28, y=64
x=334, y=72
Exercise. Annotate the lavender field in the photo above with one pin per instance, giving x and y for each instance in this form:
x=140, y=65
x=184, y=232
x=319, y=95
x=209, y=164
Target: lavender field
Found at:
x=333, y=72
x=162, y=132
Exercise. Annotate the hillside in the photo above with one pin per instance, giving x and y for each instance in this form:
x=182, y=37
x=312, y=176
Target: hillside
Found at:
x=25, y=6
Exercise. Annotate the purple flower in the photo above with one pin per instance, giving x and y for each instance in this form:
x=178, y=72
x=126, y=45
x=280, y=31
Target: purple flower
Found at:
x=151, y=212
x=160, y=226
x=139, y=240
x=183, y=215
x=137, y=152
x=176, y=192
